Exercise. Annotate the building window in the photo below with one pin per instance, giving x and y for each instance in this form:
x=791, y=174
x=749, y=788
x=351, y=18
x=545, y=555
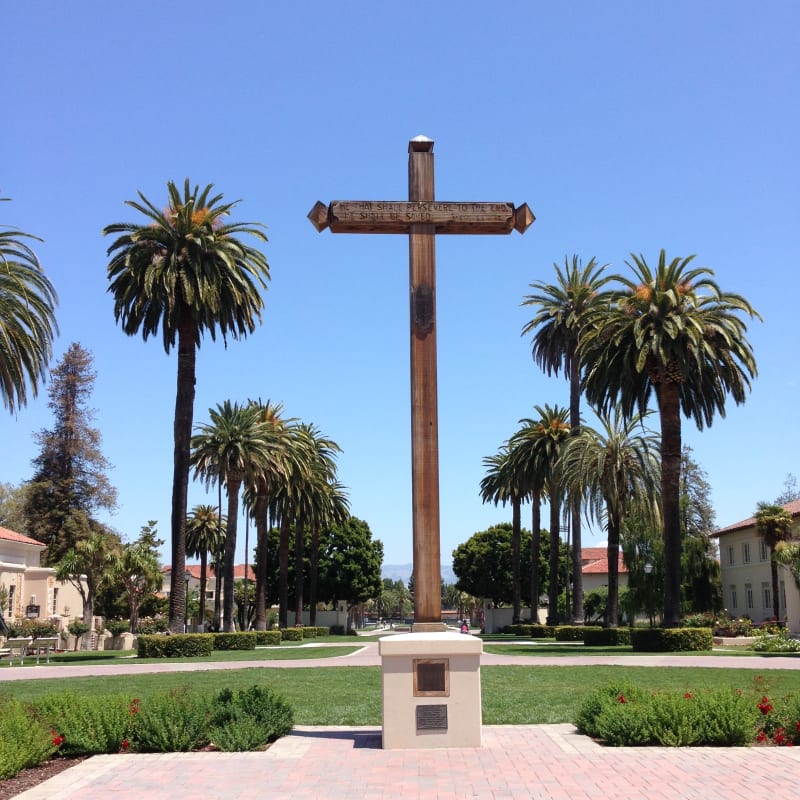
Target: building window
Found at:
x=734, y=599
x=11, y=590
x=763, y=550
x=745, y=552
x=748, y=595
x=766, y=593
x=731, y=556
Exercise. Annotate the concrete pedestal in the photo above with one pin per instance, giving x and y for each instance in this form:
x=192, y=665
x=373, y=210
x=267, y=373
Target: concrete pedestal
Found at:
x=431, y=690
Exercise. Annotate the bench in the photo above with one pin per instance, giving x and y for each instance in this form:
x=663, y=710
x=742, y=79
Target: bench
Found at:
x=44, y=644
x=18, y=646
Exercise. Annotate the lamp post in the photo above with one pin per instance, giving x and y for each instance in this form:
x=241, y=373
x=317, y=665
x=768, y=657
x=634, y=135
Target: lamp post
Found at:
x=186, y=577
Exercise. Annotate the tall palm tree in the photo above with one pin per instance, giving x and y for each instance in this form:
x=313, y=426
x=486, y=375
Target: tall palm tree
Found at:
x=536, y=448
x=185, y=270
x=556, y=326
x=258, y=496
x=333, y=508
x=233, y=447
x=313, y=497
x=774, y=525
x=618, y=468
x=205, y=533
x=502, y=484
x=27, y=319
x=670, y=332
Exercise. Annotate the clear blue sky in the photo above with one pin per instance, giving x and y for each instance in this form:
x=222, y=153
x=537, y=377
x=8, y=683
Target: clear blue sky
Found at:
x=626, y=126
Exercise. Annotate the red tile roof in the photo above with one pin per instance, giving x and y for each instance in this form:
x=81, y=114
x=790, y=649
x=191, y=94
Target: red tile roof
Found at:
x=595, y=561
x=793, y=508
x=194, y=571
x=13, y=536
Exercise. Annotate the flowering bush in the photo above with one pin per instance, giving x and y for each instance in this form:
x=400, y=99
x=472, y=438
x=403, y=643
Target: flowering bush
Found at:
x=774, y=639
x=779, y=726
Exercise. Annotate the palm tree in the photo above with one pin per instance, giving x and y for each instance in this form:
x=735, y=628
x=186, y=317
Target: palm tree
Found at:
x=556, y=327
x=774, y=525
x=235, y=446
x=618, y=469
x=502, y=484
x=536, y=448
x=313, y=496
x=27, y=319
x=258, y=496
x=186, y=271
x=671, y=332
x=205, y=533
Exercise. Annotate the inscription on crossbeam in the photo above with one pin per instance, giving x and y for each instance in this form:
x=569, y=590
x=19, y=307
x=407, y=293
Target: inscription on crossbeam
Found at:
x=389, y=216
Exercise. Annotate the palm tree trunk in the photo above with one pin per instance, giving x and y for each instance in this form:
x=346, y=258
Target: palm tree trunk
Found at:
x=182, y=432
x=612, y=606
x=299, y=552
x=262, y=530
x=536, y=544
x=313, y=576
x=203, y=584
x=670, y=415
x=230, y=554
x=516, y=534
x=577, y=544
x=283, y=572
x=552, y=595
x=776, y=601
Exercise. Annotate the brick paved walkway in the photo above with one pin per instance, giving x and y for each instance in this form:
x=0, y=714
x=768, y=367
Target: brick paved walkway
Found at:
x=535, y=762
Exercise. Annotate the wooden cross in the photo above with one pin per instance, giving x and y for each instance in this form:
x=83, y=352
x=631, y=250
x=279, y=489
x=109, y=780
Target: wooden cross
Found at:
x=422, y=217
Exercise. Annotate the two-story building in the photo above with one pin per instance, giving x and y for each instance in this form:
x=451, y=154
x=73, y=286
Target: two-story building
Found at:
x=29, y=589
x=746, y=574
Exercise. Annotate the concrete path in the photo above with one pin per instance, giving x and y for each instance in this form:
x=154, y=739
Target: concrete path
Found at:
x=535, y=762
x=367, y=656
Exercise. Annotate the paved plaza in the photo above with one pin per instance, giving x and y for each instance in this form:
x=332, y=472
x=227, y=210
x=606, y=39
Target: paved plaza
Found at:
x=538, y=762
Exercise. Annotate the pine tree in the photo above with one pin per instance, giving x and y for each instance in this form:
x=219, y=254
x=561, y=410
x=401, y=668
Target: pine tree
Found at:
x=70, y=482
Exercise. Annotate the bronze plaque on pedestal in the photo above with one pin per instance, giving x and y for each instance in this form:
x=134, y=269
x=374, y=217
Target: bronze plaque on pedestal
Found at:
x=431, y=718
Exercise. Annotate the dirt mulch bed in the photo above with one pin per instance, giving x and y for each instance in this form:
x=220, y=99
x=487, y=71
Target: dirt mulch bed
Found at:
x=33, y=776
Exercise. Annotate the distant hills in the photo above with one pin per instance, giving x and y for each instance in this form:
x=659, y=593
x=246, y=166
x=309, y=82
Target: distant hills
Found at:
x=402, y=572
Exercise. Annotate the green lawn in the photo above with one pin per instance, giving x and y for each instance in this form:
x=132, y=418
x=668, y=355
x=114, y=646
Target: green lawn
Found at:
x=352, y=695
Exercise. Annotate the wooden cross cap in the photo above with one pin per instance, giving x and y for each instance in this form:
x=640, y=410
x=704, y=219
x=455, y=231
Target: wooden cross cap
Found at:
x=390, y=216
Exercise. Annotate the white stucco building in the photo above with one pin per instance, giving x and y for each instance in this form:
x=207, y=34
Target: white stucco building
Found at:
x=746, y=576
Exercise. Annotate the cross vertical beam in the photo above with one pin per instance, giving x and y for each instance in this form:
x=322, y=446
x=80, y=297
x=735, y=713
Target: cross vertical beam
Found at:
x=422, y=218
x=424, y=401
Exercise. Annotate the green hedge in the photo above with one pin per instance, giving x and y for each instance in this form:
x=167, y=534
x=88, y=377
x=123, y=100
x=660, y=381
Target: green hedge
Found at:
x=530, y=630
x=242, y=640
x=292, y=634
x=670, y=640
x=606, y=636
x=573, y=633
x=175, y=645
x=268, y=637
x=321, y=630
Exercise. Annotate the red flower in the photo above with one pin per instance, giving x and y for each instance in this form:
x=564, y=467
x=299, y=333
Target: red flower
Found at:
x=765, y=706
x=688, y=696
x=57, y=740
x=621, y=698
x=761, y=736
x=125, y=744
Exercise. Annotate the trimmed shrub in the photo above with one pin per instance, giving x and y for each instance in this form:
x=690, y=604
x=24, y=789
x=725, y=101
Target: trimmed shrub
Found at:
x=292, y=634
x=25, y=740
x=248, y=719
x=179, y=645
x=572, y=633
x=175, y=722
x=323, y=630
x=117, y=626
x=268, y=637
x=337, y=630
x=625, y=715
x=774, y=639
x=243, y=640
x=670, y=640
x=88, y=725
x=148, y=625
x=606, y=636
x=31, y=627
